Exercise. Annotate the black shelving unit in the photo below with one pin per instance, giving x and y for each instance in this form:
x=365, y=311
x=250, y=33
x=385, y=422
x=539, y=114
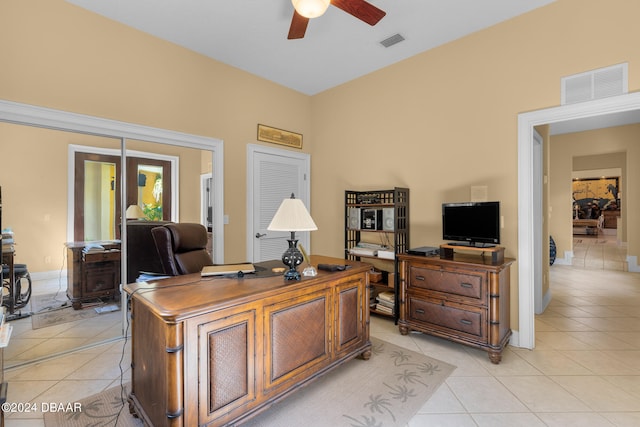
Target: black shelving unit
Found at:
x=379, y=217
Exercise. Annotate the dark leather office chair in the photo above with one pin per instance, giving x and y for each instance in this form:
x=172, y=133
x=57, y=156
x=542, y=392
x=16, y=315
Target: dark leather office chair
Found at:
x=182, y=247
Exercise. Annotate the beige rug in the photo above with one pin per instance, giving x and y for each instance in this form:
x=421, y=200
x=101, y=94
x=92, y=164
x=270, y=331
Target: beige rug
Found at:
x=384, y=391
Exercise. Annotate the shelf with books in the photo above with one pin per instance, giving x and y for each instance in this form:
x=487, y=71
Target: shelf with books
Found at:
x=376, y=230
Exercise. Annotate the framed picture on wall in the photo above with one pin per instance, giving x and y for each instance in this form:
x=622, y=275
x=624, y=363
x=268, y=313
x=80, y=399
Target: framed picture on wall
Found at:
x=603, y=191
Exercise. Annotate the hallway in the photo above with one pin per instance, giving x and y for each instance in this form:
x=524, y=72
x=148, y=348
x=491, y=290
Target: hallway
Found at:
x=602, y=252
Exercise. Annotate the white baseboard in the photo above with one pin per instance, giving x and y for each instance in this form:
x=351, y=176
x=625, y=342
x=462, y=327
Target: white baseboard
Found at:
x=632, y=264
x=515, y=339
x=48, y=275
x=568, y=256
x=546, y=299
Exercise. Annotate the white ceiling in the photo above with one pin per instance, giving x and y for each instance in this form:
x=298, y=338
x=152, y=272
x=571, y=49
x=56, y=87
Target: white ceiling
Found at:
x=252, y=34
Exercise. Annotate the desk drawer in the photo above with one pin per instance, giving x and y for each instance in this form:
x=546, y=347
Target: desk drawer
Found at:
x=468, y=284
x=101, y=256
x=448, y=316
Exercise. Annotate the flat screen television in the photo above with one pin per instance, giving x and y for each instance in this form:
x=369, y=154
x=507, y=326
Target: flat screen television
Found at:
x=471, y=223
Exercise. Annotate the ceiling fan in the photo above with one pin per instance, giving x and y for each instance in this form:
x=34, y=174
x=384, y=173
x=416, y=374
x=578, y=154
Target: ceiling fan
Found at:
x=305, y=9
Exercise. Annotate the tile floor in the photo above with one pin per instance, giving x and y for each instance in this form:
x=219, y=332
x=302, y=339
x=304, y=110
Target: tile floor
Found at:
x=584, y=371
x=599, y=252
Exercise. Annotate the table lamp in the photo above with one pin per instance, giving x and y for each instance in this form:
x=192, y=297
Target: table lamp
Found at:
x=135, y=212
x=292, y=216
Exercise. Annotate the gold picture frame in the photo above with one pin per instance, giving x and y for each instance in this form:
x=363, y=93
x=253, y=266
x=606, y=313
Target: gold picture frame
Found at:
x=279, y=136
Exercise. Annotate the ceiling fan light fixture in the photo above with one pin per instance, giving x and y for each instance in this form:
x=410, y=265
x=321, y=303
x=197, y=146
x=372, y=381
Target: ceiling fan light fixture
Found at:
x=311, y=8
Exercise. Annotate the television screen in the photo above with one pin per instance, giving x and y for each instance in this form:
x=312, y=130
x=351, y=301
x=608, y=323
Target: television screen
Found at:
x=477, y=223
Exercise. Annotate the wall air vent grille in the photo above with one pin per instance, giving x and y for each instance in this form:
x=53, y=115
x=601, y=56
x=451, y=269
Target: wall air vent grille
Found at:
x=390, y=41
x=596, y=84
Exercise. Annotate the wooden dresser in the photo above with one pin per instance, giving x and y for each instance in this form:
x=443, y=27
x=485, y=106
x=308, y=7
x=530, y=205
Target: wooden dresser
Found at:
x=464, y=299
x=92, y=274
x=214, y=351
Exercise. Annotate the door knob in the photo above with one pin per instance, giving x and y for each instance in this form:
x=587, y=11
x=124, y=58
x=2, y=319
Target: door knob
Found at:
x=258, y=235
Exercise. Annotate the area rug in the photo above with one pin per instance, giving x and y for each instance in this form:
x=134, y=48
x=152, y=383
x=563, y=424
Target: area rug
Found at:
x=55, y=309
x=385, y=391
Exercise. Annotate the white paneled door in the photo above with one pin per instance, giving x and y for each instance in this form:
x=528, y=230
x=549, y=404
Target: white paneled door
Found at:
x=274, y=174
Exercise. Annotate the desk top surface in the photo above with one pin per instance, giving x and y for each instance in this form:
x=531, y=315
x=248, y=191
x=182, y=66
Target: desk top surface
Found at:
x=184, y=296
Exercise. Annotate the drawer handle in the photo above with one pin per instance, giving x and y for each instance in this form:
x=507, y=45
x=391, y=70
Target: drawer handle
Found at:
x=421, y=278
x=465, y=322
x=419, y=311
x=466, y=285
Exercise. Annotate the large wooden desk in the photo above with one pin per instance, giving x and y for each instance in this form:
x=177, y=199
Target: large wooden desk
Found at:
x=212, y=351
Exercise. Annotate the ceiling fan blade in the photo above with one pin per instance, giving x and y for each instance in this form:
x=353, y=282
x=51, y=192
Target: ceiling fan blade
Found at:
x=361, y=9
x=298, y=26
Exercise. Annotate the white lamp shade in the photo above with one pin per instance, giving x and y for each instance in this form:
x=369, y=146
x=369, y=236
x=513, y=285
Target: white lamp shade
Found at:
x=135, y=212
x=311, y=8
x=292, y=215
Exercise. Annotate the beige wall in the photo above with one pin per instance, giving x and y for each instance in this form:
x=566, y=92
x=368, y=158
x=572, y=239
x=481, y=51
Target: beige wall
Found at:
x=439, y=122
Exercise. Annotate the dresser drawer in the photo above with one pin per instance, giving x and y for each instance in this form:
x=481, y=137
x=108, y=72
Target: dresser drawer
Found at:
x=102, y=256
x=100, y=280
x=447, y=316
x=468, y=284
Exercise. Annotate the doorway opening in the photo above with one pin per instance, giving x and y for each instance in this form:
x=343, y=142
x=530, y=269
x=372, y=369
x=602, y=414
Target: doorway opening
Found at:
x=529, y=177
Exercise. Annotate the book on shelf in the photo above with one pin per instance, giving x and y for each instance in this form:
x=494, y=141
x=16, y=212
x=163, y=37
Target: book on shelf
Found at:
x=385, y=303
x=384, y=309
x=387, y=296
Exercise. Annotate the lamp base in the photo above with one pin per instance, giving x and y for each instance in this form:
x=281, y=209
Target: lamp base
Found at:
x=292, y=258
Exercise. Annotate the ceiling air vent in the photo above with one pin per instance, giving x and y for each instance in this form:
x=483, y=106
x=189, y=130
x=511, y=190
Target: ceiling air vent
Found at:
x=390, y=41
x=596, y=84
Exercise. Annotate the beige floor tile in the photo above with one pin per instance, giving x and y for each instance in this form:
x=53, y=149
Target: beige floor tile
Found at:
x=37, y=422
x=541, y=394
x=443, y=401
x=599, y=394
x=602, y=341
x=560, y=341
x=102, y=366
x=473, y=393
x=553, y=362
x=507, y=420
x=628, y=383
x=623, y=419
x=601, y=362
x=53, y=369
x=584, y=419
x=442, y=420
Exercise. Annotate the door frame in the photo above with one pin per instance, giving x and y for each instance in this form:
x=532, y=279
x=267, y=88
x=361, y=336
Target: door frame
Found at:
x=252, y=149
x=528, y=176
x=73, y=149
